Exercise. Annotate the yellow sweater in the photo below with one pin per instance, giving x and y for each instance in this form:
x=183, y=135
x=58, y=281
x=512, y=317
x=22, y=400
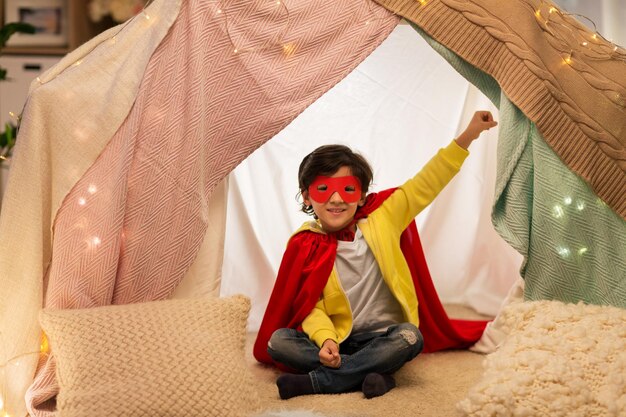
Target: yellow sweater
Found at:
x=332, y=316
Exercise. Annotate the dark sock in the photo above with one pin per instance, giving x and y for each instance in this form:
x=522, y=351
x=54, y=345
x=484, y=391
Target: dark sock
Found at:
x=290, y=385
x=375, y=385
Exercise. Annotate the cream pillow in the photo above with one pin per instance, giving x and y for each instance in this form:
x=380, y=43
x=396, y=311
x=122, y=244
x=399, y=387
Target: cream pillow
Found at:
x=558, y=360
x=163, y=358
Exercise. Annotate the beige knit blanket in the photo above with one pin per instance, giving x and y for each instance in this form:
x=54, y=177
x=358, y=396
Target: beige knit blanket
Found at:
x=566, y=79
x=123, y=143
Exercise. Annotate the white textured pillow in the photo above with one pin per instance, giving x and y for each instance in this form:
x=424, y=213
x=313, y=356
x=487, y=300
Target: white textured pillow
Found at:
x=558, y=360
x=162, y=358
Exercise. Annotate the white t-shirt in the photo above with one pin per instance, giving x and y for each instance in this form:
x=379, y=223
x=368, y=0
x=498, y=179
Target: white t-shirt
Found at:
x=373, y=306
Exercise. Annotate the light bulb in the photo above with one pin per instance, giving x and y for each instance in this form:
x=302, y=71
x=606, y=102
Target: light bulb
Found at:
x=563, y=251
x=568, y=59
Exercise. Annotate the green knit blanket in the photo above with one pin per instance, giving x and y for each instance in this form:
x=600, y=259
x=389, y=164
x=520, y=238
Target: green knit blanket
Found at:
x=574, y=245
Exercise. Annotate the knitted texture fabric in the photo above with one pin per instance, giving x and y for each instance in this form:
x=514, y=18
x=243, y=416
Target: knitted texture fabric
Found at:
x=162, y=358
x=570, y=85
x=559, y=360
x=123, y=143
x=574, y=245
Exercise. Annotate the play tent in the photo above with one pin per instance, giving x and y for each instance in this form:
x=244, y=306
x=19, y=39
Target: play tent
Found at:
x=124, y=144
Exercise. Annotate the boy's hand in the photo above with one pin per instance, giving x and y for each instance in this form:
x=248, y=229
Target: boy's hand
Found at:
x=329, y=354
x=481, y=121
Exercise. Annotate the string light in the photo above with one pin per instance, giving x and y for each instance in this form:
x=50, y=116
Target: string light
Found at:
x=568, y=59
x=92, y=189
x=289, y=49
x=557, y=211
x=238, y=49
x=563, y=251
x=570, y=37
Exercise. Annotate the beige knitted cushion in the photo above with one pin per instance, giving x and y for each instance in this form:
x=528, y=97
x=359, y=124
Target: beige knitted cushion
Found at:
x=162, y=358
x=558, y=360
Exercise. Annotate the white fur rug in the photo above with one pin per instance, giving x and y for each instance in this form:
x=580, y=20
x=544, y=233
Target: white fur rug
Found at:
x=559, y=360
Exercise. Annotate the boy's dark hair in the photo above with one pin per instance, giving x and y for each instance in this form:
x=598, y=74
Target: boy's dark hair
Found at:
x=326, y=160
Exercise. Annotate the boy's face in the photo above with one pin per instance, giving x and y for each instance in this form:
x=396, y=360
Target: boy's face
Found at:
x=335, y=213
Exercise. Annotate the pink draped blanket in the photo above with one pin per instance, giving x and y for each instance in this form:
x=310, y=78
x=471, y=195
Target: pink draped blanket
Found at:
x=132, y=225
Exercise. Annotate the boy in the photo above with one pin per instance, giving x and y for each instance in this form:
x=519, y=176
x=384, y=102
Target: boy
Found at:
x=352, y=296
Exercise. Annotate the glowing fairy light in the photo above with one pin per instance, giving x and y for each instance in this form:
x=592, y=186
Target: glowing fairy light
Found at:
x=563, y=251
x=289, y=49
x=92, y=189
x=580, y=205
x=95, y=242
x=557, y=211
x=44, y=347
x=82, y=201
x=567, y=200
x=582, y=251
x=568, y=59
x=219, y=11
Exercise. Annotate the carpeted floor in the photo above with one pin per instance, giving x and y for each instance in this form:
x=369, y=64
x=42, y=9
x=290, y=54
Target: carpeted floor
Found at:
x=429, y=386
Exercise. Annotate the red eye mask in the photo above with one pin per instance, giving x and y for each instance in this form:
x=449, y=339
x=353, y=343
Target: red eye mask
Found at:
x=322, y=188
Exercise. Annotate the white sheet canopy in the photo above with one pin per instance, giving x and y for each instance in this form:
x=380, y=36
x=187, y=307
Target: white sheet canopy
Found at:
x=397, y=108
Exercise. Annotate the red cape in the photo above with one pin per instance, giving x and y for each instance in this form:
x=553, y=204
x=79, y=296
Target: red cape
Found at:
x=307, y=264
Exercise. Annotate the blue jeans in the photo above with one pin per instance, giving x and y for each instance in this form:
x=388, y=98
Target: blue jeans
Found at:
x=381, y=352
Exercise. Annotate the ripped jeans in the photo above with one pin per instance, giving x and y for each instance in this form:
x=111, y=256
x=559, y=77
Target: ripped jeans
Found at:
x=361, y=354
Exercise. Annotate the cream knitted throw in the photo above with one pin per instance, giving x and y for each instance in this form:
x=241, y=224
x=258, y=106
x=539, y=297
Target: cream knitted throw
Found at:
x=127, y=196
x=580, y=108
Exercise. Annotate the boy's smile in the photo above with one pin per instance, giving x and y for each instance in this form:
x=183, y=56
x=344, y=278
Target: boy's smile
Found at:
x=335, y=213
